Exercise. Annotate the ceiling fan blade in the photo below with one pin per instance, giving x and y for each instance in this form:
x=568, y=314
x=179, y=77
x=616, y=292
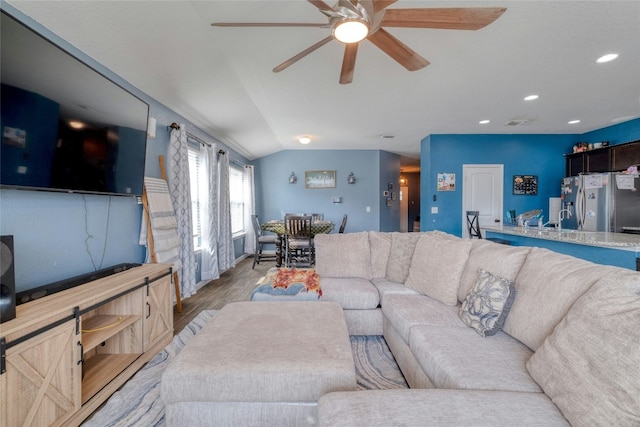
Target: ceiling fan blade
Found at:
x=348, y=63
x=464, y=18
x=302, y=54
x=321, y=5
x=381, y=4
x=267, y=24
x=393, y=47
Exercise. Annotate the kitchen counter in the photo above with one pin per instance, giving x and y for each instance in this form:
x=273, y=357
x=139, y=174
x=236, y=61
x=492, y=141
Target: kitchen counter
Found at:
x=592, y=238
x=619, y=249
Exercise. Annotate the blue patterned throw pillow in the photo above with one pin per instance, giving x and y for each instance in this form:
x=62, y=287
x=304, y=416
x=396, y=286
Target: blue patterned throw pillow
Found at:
x=488, y=303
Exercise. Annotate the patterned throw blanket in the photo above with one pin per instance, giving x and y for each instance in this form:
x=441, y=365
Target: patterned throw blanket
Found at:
x=289, y=281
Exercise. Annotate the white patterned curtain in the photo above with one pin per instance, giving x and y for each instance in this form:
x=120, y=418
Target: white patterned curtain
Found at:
x=249, y=209
x=226, y=255
x=179, y=188
x=209, y=215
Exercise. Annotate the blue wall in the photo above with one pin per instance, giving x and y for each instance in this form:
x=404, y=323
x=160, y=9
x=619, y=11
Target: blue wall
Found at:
x=59, y=235
x=540, y=155
x=275, y=196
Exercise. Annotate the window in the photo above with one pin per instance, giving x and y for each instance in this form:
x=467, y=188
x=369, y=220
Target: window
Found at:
x=197, y=179
x=237, y=199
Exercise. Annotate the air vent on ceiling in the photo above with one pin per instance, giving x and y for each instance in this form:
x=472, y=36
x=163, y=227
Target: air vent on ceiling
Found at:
x=516, y=122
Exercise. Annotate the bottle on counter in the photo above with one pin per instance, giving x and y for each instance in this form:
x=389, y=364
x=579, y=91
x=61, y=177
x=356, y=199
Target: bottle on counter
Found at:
x=520, y=221
x=540, y=223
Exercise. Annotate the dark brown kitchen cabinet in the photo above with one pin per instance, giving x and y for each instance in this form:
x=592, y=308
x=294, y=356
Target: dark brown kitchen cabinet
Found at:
x=625, y=155
x=598, y=160
x=575, y=164
x=608, y=159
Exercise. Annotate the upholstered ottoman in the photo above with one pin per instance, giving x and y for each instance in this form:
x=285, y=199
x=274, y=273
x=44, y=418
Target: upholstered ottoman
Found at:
x=260, y=363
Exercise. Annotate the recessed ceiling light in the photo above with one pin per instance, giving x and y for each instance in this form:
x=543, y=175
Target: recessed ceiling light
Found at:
x=531, y=97
x=484, y=122
x=304, y=140
x=607, y=58
x=76, y=124
x=573, y=122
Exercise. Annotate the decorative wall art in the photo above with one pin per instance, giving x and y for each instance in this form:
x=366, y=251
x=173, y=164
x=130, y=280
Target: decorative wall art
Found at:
x=446, y=182
x=320, y=179
x=525, y=185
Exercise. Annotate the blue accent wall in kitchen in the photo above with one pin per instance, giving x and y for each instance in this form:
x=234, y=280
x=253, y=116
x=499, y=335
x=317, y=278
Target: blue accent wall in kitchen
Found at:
x=520, y=154
x=540, y=155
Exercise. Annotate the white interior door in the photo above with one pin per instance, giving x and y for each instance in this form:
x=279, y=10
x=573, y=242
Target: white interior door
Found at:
x=482, y=191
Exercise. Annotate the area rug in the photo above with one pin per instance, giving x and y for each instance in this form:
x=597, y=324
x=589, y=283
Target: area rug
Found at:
x=138, y=402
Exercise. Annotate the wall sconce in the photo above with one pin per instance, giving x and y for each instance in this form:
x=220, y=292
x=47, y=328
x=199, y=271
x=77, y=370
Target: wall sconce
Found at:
x=293, y=178
x=351, y=179
x=151, y=128
x=403, y=181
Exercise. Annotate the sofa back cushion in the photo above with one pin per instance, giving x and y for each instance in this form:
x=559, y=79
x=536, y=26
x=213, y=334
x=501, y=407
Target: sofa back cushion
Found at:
x=437, y=266
x=380, y=245
x=590, y=365
x=402, y=247
x=501, y=260
x=546, y=286
x=343, y=255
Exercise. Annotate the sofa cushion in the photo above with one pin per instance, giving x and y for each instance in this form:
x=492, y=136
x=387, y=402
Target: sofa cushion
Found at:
x=386, y=287
x=437, y=407
x=380, y=246
x=547, y=285
x=437, y=266
x=352, y=293
x=488, y=303
x=406, y=311
x=402, y=247
x=460, y=358
x=501, y=260
x=343, y=255
x=590, y=365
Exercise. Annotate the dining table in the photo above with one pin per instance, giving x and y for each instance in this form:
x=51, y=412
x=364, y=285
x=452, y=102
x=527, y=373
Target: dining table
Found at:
x=277, y=226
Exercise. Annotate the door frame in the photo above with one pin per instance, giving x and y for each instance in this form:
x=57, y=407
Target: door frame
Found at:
x=467, y=192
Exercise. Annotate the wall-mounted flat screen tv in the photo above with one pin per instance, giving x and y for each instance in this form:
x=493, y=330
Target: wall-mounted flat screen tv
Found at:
x=65, y=126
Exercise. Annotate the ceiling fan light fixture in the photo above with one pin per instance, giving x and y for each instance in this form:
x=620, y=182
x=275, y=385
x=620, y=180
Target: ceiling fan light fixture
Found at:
x=350, y=30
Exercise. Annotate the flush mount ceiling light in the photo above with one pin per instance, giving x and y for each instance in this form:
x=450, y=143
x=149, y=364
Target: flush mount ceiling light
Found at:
x=304, y=140
x=350, y=30
x=573, y=122
x=607, y=58
x=76, y=124
x=531, y=97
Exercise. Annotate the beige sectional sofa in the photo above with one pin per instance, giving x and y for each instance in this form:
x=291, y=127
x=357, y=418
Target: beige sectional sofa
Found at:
x=547, y=339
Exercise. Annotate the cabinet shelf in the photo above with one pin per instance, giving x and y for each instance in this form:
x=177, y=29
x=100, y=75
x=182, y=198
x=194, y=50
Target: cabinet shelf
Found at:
x=99, y=328
x=100, y=369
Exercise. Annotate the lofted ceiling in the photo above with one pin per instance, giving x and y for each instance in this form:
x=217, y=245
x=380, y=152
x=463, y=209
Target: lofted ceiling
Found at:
x=221, y=79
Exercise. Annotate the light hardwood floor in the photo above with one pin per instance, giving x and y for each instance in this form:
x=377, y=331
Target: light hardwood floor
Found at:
x=234, y=284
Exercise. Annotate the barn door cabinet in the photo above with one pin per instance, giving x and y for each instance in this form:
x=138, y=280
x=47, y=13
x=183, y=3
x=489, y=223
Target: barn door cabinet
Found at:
x=65, y=354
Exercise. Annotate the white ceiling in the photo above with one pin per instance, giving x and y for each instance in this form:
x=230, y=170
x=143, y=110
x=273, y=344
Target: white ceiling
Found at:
x=221, y=80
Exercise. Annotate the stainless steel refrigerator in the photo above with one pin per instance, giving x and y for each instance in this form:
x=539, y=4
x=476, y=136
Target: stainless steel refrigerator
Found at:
x=602, y=202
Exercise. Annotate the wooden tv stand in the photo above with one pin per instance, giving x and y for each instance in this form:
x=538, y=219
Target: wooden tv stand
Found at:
x=66, y=353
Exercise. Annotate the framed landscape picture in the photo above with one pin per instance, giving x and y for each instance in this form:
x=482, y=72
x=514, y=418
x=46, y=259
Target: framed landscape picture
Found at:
x=320, y=179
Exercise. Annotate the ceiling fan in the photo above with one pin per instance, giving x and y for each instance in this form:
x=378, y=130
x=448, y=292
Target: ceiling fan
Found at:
x=352, y=21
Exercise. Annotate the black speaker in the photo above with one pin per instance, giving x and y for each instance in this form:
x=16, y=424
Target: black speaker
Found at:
x=7, y=280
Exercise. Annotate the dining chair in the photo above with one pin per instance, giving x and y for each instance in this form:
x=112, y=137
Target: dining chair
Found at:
x=299, y=249
x=473, y=224
x=344, y=224
x=316, y=217
x=261, y=240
